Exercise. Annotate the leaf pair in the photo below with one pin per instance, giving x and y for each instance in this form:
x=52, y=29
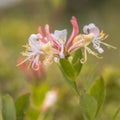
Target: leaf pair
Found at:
x=72, y=69
x=13, y=111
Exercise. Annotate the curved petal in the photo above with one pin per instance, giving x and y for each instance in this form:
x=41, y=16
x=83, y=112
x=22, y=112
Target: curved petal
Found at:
x=74, y=31
x=50, y=37
x=40, y=35
x=60, y=36
x=39, y=30
x=35, y=63
x=91, y=28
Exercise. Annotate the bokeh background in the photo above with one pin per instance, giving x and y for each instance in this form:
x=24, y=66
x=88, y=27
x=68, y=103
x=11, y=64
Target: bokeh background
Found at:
x=20, y=18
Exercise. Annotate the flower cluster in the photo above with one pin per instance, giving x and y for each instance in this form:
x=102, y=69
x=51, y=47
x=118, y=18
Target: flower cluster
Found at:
x=54, y=46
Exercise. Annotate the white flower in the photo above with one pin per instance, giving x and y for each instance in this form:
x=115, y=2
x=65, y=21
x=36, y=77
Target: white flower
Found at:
x=37, y=51
x=91, y=28
x=60, y=37
x=98, y=37
x=92, y=35
x=34, y=51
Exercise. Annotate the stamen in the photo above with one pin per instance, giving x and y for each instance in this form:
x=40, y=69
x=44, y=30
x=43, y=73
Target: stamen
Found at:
x=26, y=45
x=22, y=62
x=106, y=36
x=28, y=67
x=102, y=35
x=83, y=60
x=23, y=53
x=109, y=46
x=101, y=32
x=93, y=53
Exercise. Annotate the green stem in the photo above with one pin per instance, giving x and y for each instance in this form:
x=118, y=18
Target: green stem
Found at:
x=76, y=88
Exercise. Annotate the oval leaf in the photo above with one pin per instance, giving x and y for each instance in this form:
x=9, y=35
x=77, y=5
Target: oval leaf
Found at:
x=89, y=107
x=77, y=55
x=21, y=105
x=8, y=108
x=98, y=92
x=38, y=94
x=67, y=69
x=69, y=74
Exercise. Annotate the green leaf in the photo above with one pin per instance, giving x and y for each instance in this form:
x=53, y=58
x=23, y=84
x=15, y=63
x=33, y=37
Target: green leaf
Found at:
x=90, y=77
x=76, y=62
x=73, y=86
x=69, y=74
x=32, y=113
x=21, y=105
x=38, y=93
x=98, y=92
x=77, y=55
x=89, y=107
x=8, y=108
x=67, y=69
x=117, y=115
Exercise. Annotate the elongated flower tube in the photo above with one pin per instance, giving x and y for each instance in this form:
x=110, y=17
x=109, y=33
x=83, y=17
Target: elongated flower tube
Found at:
x=74, y=32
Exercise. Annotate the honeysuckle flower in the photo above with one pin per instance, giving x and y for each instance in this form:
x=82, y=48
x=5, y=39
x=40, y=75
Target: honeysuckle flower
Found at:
x=94, y=36
x=42, y=50
x=38, y=51
x=59, y=39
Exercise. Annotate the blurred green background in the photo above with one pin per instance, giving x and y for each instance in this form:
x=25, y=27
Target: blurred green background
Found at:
x=20, y=18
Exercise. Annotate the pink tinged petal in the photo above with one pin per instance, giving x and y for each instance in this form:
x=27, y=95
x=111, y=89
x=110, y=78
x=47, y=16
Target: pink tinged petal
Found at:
x=74, y=31
x=91, y=28
x=60, y=36
x=77, y=45
x=50, y=37
x=40, y=34
x=31, y=58
x=35, y=66
x=32, y=38
x=36, y=63
x=39, y=30
x=62, y=52
x=34, y=44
